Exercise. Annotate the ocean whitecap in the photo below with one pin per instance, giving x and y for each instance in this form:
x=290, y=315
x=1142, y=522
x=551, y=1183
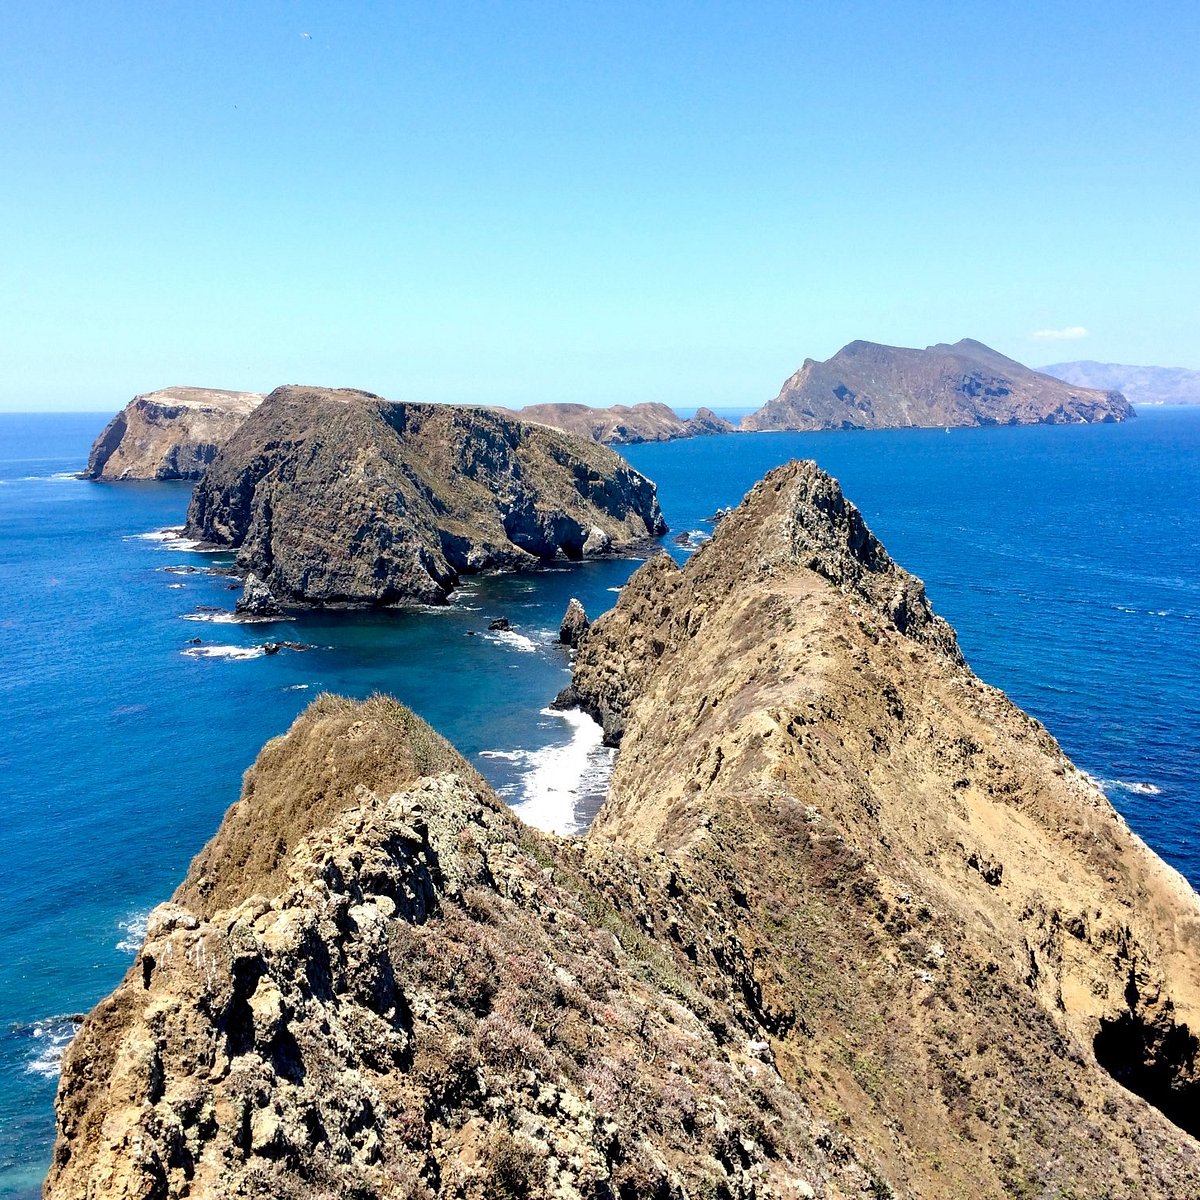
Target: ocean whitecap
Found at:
x=227, y=652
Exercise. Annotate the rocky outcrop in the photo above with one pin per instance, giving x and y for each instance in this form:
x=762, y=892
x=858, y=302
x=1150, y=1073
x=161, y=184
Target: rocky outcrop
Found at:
x=574, y=624
x=622, y=425
x=341, y=498
x=376, y=982
x=256, y=599
x=848, y=925
x=949, y=936
x=171, y=434
x=1140, y=385
x=869, y=386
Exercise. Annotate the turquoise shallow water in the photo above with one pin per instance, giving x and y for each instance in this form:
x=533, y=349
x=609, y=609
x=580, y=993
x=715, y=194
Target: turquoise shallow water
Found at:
x=1066, y=558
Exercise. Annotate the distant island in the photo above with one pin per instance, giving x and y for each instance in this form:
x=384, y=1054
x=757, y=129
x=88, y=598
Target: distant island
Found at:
x=177, y=432
x=869, y=386
x=169, y=434
x=1140, y=385
x=339, y=498
x=622, y=425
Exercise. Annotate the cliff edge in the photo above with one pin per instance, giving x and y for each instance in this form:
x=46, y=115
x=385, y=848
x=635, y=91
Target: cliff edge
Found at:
x=341, y=498
x=170, y=434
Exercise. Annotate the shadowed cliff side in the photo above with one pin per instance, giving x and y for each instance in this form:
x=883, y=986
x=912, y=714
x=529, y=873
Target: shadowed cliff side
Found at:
x=949, y=936
x=340, y=498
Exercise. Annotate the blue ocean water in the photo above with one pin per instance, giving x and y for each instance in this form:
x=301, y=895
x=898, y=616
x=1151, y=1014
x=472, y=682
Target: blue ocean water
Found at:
x=1065, y=556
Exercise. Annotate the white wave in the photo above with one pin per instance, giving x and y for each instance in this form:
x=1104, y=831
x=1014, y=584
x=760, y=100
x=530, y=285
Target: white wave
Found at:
x=1138, y=789
x=50, y=1039
x=506, y=755
x=172, y=538
x=616, y=589
x=230, y=652
x=510, y=637
x=176, y=585
x=56, y=477
x=298, y=687
x=133, y=931
x=224, y=617
x=560, y=776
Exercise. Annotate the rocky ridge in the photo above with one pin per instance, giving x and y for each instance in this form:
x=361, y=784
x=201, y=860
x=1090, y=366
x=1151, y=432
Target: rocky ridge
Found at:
x=624, y=425
x=849, y=925
x=869, y=386
x=341, y=498
x=170, y=434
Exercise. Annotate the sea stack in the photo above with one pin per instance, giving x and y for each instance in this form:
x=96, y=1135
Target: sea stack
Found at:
x=869, y=386
x=170, y=434
x=341, y=498
x=574, y=624
x=849, y=924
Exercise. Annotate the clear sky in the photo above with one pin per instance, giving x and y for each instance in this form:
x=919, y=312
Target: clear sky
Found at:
x=602, y=202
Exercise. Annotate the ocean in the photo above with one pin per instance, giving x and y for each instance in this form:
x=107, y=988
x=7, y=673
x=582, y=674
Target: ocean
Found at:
x=1065, y=556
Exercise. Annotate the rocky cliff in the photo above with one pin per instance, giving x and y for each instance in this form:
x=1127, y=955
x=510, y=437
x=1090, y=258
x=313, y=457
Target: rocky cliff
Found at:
x=170, y=434
x=849, y=925
x=338, y=497
x=622, y=425
x=869, y=386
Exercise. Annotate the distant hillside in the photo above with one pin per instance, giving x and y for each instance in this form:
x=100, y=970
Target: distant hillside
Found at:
x=869, y=386
x=1140, y=385
x=622, y=425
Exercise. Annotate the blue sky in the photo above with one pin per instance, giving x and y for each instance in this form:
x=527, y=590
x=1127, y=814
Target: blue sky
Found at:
x=523, y=202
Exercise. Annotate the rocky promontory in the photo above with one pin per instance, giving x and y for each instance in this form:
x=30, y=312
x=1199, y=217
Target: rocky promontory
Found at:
x=869, y=386
x=850, y=924
x=170, y=434
x=624, y=425
x=341, y=498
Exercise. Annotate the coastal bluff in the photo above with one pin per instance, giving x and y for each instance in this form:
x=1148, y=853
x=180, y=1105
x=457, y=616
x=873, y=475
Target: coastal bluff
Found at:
x=169, y=434
x=849, y=924
x=339, y=498
x=871, y=386
x=624, y=425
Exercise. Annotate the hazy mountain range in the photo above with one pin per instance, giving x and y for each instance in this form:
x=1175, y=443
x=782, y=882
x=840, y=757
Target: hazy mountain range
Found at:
x=1139, y=385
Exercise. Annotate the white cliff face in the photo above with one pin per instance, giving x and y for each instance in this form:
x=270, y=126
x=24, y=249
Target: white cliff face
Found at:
x=170, y=434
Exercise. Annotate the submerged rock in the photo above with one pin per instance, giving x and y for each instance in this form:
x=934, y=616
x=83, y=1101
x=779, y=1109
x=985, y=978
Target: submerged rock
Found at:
x=340, y=498
x=500, y=623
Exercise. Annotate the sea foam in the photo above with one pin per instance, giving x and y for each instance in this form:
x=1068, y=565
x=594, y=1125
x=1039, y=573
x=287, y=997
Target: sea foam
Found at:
x=559, y=777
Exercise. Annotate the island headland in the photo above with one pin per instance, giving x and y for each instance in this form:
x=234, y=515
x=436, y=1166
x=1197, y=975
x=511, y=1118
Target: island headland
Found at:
x=339, y=498
x=622, y=425
x=869, y=386
x=849, y=924
x=169, y=434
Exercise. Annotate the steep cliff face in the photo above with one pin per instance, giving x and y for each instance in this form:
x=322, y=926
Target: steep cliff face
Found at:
x=170, y=434
x=849, y=925
x=342, y=498
x=623, y=425
x=869, y=386
x=951, y=938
